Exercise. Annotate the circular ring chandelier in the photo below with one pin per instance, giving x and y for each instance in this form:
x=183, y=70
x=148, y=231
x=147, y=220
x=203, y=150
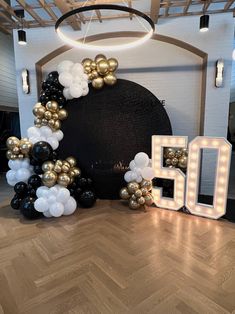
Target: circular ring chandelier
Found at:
x=83, y=45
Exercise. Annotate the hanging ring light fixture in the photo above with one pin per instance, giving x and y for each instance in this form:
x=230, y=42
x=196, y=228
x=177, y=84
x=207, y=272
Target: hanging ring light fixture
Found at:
x=83, y=45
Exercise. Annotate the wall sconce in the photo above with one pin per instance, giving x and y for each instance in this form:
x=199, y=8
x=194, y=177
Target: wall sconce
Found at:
x=219, y=73
x=25, y=81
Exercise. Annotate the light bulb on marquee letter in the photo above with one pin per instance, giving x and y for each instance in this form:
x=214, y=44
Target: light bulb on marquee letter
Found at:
x=158, y=144
x=223, y=147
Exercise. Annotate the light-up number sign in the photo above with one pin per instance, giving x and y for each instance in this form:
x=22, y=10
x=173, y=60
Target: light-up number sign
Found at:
x=190, y=197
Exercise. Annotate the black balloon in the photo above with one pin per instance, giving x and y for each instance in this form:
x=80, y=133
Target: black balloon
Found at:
x=53, y=75
x=87, y=199
x=21, y=189
x=16, y=202
x=27, y=208
x=77, y=193
x=38, y=169
x=35, y=181
x=42, y=151
x=81, y=182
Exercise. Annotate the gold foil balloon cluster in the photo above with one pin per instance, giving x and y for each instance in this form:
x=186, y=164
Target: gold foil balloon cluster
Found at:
x=176, y=158
x=50, y=115
x=62, y=172
x=137, y=194
x=101, y=70
x=18, y=149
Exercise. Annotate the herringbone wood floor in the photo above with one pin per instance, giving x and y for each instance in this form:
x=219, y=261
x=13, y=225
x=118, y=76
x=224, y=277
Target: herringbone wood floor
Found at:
x=109, y=259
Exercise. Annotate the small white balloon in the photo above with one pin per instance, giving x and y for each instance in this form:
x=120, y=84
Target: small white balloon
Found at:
x=53, y=142
x=47, y=214
x=34, y=139
x=128, y=176
x=51, y=199
x=64, y=66
x=65, y=79
x=148, y=173
x=134, y=176
x=63, y=195
x=59, y=135
x=141, y=160
x=53, y=191
x=46, y=131
x=15, y=164
x=67, y=94
x=70, y=206
x=11, y=175
x=42, y=191
x=77, y=69
x=85, y=91
x=22, y=174
x=41, y=204
x=25, y=163
x=137, y=170
x=75, y=90
x=84, y=84
x=139, y=179
x=132, y=165
x=33, y=132
x=56, y=209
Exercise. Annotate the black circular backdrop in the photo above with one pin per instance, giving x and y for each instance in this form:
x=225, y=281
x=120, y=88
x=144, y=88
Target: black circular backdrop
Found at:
x=105, y=129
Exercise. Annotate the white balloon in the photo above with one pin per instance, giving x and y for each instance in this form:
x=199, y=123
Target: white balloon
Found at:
x=128, y=176
x=11, y=182
x=70, y=206
x=25, y=163
x=56, y=209
x=33, y=131
x=65, y=79
x=23, y=174
x=46, y=131
x=141, y=160
x=14, y=164
x=134, y=176
x=64, y=66
x=77, y=69
x=42, y=191
x=53, y=191
x=66, y=93
x=34, y=140
x=11, y=175
x=41, y=204
x=51, y=199
x=59, y=135
x=138, y=171
x=132, y=165
x=148, y=173
x=53, y=142
x=85, y=91
x=85, y=76
x=75, y=90
x=47, y=214
x=63, y=195
x=139, y=179
x=84, y=84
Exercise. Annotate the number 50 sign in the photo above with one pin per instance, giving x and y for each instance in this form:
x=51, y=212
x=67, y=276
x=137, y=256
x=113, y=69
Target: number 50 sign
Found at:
x=186, y=188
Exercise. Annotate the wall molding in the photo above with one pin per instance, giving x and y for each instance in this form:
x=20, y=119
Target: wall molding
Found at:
x=170, y=40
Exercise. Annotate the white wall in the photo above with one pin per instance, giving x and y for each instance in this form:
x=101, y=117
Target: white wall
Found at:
x=180, y=88
x=8, y=92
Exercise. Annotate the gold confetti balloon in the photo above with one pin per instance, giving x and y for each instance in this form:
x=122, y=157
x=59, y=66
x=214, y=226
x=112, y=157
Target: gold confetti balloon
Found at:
x=124, y=194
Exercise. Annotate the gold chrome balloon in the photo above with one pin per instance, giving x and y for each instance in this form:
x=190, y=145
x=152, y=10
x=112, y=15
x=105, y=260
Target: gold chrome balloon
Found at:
x=48, y=115
x=76, y=171
x=12, y=142
x=48, y=166
x=148, y=199
x=63, y=179
x=39, y=110
x=133, y=204
x=141, y=200
x=124, y=194
x=132, y=187
x=100, y=57
x=25, y=146
x=98, y=83
x=102, y=67
x=113, y=64
x=62, y=115
x=86, y=62
x=65, y=168
x=9, y=154
x=94, y=74
x=183, y=162
x=52, y=106
x=44, y=121
x=174, y=161
x=110, y=79
x=93, y=65
x=49, y=178
x=144, y=191
x=72, y=161
x=51, y=123
x=57, y=125
x=146, y=184
x=138, y=193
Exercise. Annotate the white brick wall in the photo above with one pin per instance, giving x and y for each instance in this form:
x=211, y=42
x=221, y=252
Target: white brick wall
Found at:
x=174, y=76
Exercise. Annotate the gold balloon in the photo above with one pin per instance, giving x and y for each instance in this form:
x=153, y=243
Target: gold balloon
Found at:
x=102, y=67
x=65, y=168
x=49, y=178
x=132, y=187
x=124, y=194
x=168, y=161
x=48, y=115
x=90, y=76
x=9, y=154
x=141, y=200
x=57, y=168
x=57, y=125
x=59, y=163
x=98, y=83
x=146, y=184
x=55, y=116
x=138, y=193
x=20, y=156
x=76, y=171
x=86, y=62
x=133, y=204
x=51, y=123
x=184, y=152
x=14, y=157
x=169, y=153
x=38, y=122
x=99, y=57
x=63, y=114
x=72, y=161
x=133, y=197
x=65, y=163
x=93, y=65
x=113, y=64
x=63, y=179
x=48, y=166
x=94, y=74
x=16, y=150
x=144, y=191
x=52, y=106
x=148, y=199
x=87, y=69
x=12, y=142
x=174, y=161
x=183, y=162
x=39, y=110
x=110, y=79
x=25, y=146
x=178, y=153
x=44, y=121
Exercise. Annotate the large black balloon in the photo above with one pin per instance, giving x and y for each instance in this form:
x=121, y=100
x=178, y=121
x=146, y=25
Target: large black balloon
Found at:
x=42, y=151
x=38, y=169
x=27, y=208
x=83, y=183
x=21, y=189
x=16, y=202
x=35, y=181
x=87, y=199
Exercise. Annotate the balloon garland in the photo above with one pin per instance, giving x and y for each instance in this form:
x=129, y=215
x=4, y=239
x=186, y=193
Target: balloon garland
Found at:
x=139, y=179
x=45, y=185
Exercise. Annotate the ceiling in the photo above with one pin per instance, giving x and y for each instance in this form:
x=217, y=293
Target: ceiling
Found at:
x=44, y=13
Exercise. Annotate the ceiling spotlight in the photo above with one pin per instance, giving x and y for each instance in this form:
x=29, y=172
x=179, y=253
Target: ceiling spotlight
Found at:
x=22, y=37
x=204, y=23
